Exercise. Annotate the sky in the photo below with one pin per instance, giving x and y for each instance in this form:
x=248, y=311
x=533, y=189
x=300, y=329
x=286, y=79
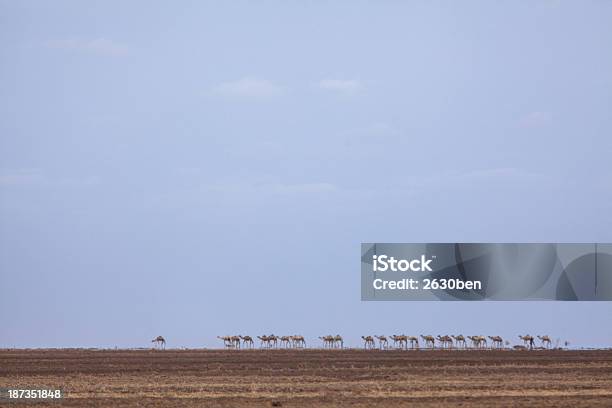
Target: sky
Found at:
x=198, y=169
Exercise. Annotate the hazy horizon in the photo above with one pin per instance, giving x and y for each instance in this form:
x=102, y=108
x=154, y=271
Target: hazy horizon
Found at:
x=199, y=169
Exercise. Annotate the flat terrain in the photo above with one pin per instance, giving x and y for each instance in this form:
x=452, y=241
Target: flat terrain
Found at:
x=304, y=378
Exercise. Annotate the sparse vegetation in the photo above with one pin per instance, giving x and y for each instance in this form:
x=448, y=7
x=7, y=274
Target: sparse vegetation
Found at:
x=314, y=377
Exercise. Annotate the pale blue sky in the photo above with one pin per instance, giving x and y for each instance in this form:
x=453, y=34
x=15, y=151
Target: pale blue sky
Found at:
x=195, y=169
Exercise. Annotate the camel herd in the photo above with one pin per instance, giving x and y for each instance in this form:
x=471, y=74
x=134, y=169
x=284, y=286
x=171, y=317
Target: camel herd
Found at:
x=330, y=341
x=396, y=341
x=449, y=342
x=265, y=341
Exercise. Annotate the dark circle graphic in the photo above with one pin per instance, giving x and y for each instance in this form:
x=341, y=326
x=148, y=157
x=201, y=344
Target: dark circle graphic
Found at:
x=580, y=279
x=499, y=267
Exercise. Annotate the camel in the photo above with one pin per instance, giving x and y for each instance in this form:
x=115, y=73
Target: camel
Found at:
x=445, y=341
x=474, y=341
x=368, y=342
x=285, y=341
x=460, y=341
x=414, y=341
x=478, y=341
x=264, y=341
x=483, y=341
x=298, y=341
x=159, y=342
x=235, y=341
x=328, y=341
x=400, y=339
x=527, y=340
x=497, y=342
x=382, y=342
x=339, y=341
x=247, y=340
x=545, y=340
x=227, y=341
x=273, y=340
x=395, y=339
x=429, y=341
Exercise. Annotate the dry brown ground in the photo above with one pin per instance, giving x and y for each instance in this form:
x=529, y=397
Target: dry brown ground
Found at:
x=300, y=378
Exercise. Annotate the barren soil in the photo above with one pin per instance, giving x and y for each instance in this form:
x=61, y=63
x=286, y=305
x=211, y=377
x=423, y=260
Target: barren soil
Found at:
x=305, y=378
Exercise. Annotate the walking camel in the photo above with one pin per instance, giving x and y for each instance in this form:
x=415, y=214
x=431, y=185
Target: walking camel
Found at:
x=383, y=344
x=247, y=340
x=545, y=340
x=475, y=341
x=328, y=341
x=430, y=341
x=338, y=341
x=285, y=341
x=527, y=340
x=298, y=341
x=496, y=342
x=445, y=341
x=235, y=341
x=478, y=341
x=227, y=341
x=414, y=342
x=273, y=340
x=368, y=342
x=159, y=342
x=400, y=339
x=483, y=340
x=264, y=341
x=460, y=341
